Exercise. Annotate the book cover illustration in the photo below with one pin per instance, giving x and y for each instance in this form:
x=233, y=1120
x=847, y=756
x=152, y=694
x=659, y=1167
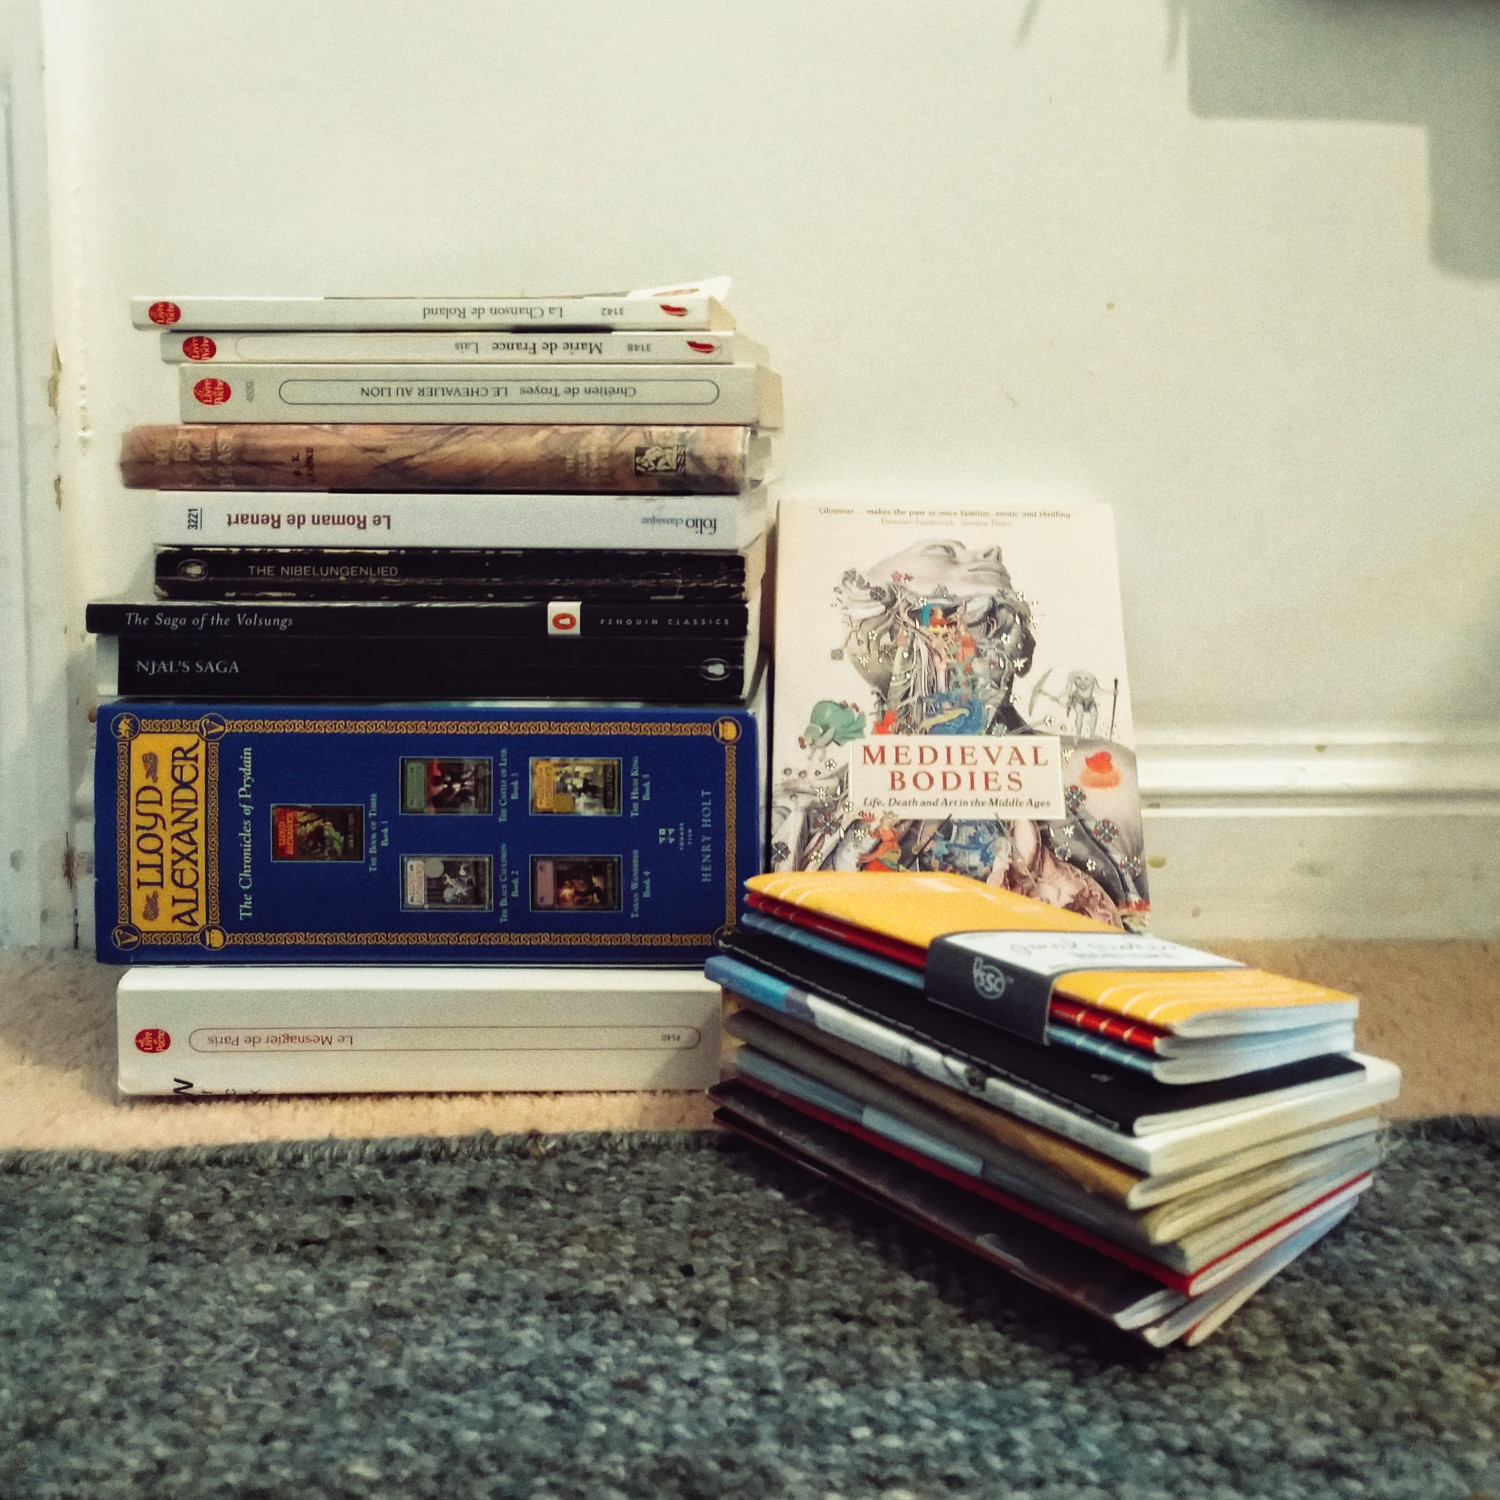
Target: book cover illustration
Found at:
x=952, y=696
x=449, y=833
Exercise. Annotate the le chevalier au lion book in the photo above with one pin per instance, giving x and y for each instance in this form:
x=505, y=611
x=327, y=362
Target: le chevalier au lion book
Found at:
x=992, y=1067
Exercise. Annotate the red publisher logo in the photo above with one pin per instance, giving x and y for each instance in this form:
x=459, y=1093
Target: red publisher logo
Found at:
x=212, y=392
x=565, y=617
x=152, y=1039
x=701, y=348
x=199, y=346
x=164, y=312
x=673, y=311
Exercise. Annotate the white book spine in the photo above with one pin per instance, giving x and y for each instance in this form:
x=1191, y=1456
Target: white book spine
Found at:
x=739, y=394
x=366, y=1030
x=459, y=348
x=698, y=523
x=685, y=308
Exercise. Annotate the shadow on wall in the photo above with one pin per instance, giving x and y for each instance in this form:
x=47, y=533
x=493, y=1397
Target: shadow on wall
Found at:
x=1433, y=63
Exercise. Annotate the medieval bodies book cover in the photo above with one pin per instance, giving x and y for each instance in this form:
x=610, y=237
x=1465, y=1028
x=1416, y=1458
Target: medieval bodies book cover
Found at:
x=951, y=695
x=451, y=833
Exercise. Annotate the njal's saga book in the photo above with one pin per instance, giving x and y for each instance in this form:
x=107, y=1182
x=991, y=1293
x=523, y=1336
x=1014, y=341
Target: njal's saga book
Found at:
x=952, y=695
x=435, y=833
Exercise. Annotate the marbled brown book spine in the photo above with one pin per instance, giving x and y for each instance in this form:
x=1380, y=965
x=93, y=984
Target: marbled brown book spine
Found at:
x=429, y=456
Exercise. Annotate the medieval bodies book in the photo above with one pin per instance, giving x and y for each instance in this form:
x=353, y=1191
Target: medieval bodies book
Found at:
x=363, y=1028
x=746, y=395
x=611, y=458
x=459, y=348
x=696, y=305
x=439, y=833
x=595, y=521
x=952, y=696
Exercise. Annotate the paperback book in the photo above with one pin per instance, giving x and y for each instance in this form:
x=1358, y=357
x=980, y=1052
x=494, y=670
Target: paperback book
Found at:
x=274, y=668
x=613, y=458
x=679, y=523
x=695, y=305
x=292, y=572
x=953, y=697
x=744, y=395
x=437, y=833
x=461, y=348
x=336, y=1029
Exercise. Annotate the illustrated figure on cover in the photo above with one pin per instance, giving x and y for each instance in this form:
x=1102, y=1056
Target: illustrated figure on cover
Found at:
x=942, y=637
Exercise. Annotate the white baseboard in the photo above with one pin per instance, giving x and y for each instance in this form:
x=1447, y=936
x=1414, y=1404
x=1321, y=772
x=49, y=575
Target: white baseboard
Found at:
x=1266, y=836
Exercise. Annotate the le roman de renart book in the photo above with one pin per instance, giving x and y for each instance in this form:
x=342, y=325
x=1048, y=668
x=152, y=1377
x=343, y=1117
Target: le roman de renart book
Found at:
x=533, y=833
x=951, y=695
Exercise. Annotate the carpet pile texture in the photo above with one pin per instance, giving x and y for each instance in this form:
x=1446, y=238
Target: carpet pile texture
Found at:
x=660, y=1316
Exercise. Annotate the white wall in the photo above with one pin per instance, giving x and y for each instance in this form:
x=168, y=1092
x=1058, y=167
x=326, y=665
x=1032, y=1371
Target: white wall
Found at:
x=1230, y=266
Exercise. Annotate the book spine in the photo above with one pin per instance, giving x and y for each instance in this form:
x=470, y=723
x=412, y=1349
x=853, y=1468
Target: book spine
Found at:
x=456, y=348
x=217, y=573
x=688, y=310
x=347, y=1040
x=447, y=832
x=532, y=620
x=424, y=667
x=736, y=394
x=682, y=523
x=401, y=457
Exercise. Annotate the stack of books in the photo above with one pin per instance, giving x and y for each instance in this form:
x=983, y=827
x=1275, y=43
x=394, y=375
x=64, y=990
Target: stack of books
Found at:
x=1147, y=1131
x=533, y=531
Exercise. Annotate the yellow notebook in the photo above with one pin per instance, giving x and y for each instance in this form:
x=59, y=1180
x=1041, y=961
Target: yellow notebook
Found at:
x=1161, y=984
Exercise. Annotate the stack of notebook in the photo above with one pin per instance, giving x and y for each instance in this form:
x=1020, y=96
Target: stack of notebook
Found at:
x=1147, y=1131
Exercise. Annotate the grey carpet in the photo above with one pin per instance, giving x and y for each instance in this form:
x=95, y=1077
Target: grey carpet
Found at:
x=601, y=1316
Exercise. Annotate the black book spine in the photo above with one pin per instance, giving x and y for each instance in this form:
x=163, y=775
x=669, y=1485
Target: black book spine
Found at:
x=525, y=620
x=428, y=668
x=363, y=573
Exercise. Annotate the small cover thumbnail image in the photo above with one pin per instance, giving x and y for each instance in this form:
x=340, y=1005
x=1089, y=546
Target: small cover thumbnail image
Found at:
x=447, y=784
x=447, y=882
x=575, y=882
x=318, y=833
x=574, y=786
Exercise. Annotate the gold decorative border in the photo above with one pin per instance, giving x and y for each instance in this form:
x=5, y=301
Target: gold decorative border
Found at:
x=212, y=727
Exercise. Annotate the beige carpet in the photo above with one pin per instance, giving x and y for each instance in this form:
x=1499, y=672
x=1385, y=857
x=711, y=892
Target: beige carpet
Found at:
x=1432, y=1007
